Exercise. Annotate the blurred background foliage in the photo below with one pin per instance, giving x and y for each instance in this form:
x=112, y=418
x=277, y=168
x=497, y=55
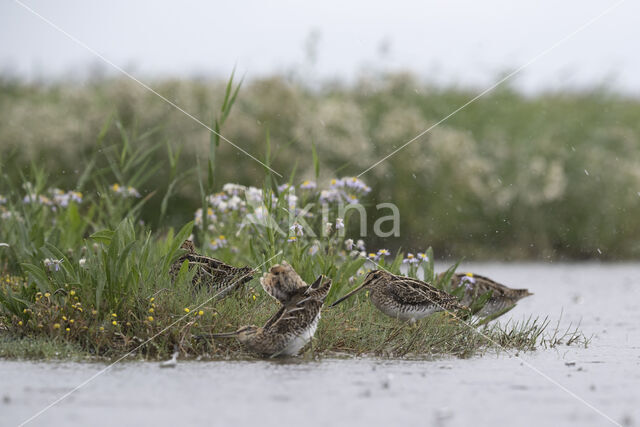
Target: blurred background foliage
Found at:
x=548, y=176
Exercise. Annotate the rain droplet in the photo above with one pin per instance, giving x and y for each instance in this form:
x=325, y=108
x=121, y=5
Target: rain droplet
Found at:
x=586, y=172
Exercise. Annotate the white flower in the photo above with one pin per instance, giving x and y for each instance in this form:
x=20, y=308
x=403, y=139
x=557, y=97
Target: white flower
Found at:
x=372, y=256
x=383, y=252
x=235, y=203
x=233, y=189
x=133, y=192
x=292, y=200
x=3, y=199
x=76, y=196
x=328, y=227
x=336, y=183
x=339, y=223
x=292, y=239
x=216, y=199
x=253, y=195
x=218, y=243
x=423, y=257
x=410, y=259
x=53, y=264
x=285, y=187
x=327, y=196
x=468, y=281
x=348, y=244
x=308, y=185
x=351, y=199
x=360, y=245
x=82, y=262
x=296, y=229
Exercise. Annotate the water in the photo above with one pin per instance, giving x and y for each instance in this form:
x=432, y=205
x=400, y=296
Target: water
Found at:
x=489, y=390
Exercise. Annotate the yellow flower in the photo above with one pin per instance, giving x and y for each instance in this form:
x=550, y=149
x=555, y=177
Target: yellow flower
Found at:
x=20, y=323
x=128, y=323
x=56, y=326
x=152, y=299
x=47, y=294
x=67, y=329
x=151, y=310
x=101, y=328
x=24, y=310
x=114, y=323
x=72, y=293
x=469, y=274
x=64, y=318
x=71, y=321
x=114, y=315
x=200, y=313
x=150, y=318
x=254, y=297
x=115, y=187
x=186, y=310
x=94, y=312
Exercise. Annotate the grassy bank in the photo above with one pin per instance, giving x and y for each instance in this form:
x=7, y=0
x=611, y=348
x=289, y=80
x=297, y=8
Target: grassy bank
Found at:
x=551, y=176
x=83, y=274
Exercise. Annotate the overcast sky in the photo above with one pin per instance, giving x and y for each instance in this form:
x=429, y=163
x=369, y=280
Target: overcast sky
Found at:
x=468, y=42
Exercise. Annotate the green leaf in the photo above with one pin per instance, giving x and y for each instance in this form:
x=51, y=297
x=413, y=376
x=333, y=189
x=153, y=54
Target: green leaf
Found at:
x=37, y=275
x=103, y=237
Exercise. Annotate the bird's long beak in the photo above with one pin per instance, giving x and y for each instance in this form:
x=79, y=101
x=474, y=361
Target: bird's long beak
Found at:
x=225, y=335
x=359, y=288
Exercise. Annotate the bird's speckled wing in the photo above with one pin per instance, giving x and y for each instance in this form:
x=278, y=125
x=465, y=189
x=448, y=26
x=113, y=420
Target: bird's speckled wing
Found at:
x=483, y=284
x=416, y=292
x=296, y=319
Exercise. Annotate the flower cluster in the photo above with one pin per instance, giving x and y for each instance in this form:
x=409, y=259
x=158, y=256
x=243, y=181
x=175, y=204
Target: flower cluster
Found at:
x=125, y=191
x=347, y=189
x=219, y=242
x=413, y=259
x=56, y=198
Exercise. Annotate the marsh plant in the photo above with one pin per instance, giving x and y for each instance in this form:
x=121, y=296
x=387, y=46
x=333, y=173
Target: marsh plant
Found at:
x=84, y=270
x=511, y=176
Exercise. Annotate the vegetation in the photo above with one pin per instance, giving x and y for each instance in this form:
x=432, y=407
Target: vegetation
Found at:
x=509, y=177
x=85, y=270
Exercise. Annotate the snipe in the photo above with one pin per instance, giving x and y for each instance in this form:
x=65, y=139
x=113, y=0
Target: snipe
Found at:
x=290, y=329
x=216, y=275
x=404, y=298
x=283, y=283
x=502, y=297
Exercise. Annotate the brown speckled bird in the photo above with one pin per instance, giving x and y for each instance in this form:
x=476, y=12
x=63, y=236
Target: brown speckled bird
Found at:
x=502, y=297
x=290, y=329
x=216, y=275
x=404, y=298
x=282, y=282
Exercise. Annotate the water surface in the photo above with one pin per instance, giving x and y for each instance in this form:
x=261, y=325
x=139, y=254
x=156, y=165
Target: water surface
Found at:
x=489, y=390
